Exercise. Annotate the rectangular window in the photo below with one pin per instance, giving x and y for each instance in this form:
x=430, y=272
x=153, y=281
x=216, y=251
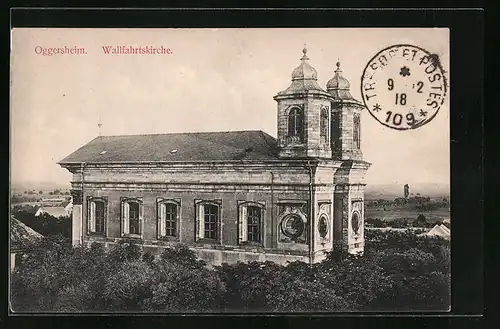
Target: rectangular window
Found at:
x=96, y=219
x=134, y=223
x=208, y=220
x=171, y=219
x=253, y=223
x=211, y=220
x=168, y=218
x=99, y=217
x=250, y=222
x=132, y=217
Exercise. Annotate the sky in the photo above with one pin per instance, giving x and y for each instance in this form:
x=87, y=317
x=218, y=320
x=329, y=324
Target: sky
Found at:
x=214, y=80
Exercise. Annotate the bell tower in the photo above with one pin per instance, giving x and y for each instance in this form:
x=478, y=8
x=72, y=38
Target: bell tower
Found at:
x=348, y=179
x=345, y=119
x=304, y=115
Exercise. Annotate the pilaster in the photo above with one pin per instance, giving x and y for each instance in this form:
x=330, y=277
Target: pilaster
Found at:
x=77, y=217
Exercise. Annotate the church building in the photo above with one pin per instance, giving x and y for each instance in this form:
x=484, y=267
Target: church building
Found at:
x=233, y=196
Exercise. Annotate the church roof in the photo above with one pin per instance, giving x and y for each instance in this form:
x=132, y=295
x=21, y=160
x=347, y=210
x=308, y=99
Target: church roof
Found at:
x=177, y=147
x=21, y=235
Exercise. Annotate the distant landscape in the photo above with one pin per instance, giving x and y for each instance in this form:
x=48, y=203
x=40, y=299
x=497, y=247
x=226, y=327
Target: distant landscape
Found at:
x=425, y=206
x=392, y=191
x=372, y=191
x=385, y=205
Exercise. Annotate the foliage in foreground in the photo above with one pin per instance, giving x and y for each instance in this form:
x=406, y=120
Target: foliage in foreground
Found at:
x=45, y=224
x=399, y=271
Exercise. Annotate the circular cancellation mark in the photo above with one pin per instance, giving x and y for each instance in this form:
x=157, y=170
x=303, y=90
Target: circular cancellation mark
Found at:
x=403, y=86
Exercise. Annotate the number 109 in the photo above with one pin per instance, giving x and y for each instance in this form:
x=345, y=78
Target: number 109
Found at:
x=397, y=118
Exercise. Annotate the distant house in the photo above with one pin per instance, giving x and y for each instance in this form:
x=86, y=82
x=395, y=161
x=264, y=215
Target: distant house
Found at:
x=53, y=199
x=21, y=238
x=62, y=209
x=439, y=230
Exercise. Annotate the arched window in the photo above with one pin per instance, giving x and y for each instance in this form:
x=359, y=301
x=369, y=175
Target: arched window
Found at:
x=132, y=217
x=96, y=220
x=323, y=126
x=296, y=123
x=335, y=129
x=356, y=132
x=168, y=218
x=251, y=216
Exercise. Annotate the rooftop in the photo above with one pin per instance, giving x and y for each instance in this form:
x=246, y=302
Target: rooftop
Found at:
x=177, y=147
x=53, y=211
x=21, y=235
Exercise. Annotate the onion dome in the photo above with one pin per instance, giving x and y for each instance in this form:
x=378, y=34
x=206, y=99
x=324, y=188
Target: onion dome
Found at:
x=338, y=86
x=304, y=71
x=304, y=79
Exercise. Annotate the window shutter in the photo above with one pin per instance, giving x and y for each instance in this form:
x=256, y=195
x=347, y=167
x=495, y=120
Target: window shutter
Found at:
x=125, y=219
x=92, y=216
x=163, y=218
x=140, y=218
x=200, y=221
x=243, y=227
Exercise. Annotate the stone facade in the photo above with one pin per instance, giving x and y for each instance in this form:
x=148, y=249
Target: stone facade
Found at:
x=308, y=194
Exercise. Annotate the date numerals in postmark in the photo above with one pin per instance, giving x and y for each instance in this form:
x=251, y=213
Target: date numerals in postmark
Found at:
x=401, y=99
x=403, y=87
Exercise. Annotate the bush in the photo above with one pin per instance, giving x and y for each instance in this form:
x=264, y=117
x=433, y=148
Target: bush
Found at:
x=125, y=251
x=421, y=221
x=45, y=224
x=129, y=285
x=183, y=255
x=181, y=288
x=397, y=223
x=398, y=271
x=375, y=222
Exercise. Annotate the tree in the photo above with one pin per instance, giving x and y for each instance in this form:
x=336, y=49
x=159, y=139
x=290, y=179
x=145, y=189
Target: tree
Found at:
x=375, y=222
x=179, y=287
x=125, y=251
x=398, y=271
x=40, y=192
x=420, y=221
x=129, y=285
x=183, y=255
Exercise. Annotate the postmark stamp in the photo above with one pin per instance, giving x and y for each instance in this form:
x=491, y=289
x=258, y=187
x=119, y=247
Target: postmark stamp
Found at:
x=404, y=86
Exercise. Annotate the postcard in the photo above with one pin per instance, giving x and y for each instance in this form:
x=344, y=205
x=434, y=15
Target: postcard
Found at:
x=230, y=170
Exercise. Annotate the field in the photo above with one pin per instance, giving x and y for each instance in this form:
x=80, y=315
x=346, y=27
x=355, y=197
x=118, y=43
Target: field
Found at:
x=406, y=214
